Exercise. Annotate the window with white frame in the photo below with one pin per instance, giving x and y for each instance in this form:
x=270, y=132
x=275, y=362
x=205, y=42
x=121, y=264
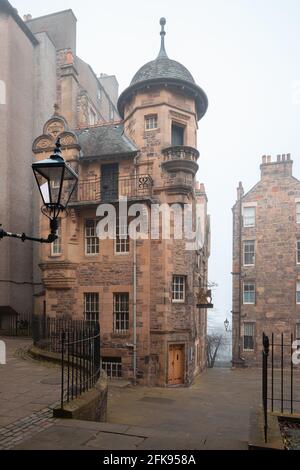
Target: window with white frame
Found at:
x=298, y=331
x=298, y=252
x=249, y=253
x=121, y=313
x=122, y=236
x=298, y=212
x=91, y=239
x=151, y=122
x=249, y=336
x=56, y=247
x=298, y=292
x=112, y=367
x=91, y=306
x=249, y=293
x=249, y=216
x=178, y=288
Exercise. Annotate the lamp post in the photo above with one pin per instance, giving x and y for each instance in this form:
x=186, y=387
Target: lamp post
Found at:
x=226, y=324
x=56, y=181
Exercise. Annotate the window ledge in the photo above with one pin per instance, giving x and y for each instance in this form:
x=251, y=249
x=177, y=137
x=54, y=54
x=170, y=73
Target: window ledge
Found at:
x=120, y=335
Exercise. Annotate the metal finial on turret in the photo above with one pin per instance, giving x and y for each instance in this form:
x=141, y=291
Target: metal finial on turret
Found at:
x=162, y=52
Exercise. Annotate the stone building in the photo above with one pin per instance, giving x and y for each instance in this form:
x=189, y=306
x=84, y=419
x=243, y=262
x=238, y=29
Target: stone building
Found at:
x=38, y=67
x=266, y=260
x=144, y=292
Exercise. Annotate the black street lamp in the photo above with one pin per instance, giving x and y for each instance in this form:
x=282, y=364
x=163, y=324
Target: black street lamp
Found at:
x=226, y=324
x=56, y=181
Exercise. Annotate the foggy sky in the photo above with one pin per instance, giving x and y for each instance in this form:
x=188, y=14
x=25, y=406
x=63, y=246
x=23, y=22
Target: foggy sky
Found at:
x=243, y=53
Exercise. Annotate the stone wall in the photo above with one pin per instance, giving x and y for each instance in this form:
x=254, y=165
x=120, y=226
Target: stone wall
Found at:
x=276, y=271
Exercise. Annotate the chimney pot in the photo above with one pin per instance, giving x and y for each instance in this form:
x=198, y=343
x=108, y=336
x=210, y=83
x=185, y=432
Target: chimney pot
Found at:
x=283, y=157
x=202, y=188
x=278, y=158
x=269, y=158
x=264, y=159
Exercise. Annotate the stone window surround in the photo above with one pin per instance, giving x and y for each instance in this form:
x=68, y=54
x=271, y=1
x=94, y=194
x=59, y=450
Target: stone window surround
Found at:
x=121, y=312
x=252, y=323
x=182, y=288
x=249, y=282
x=297, y=203
x=244, y=253
x=248, y=205
x=298, y=292
x=151, y=122
x=298, y=251
x=91, y=305
x=89, y=237
x=122, y=246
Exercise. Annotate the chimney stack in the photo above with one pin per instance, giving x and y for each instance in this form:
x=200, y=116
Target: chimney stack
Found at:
x=282, y=167
x=27, y=17
x=240, y=191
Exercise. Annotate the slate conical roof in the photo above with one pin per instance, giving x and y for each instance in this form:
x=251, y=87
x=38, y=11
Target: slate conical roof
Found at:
x=165, y=71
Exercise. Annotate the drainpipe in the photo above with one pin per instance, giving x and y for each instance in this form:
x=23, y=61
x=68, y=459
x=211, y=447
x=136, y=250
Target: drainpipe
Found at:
x=135, y=294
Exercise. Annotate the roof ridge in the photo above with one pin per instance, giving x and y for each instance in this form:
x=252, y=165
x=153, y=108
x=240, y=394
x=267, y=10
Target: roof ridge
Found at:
x=104, y=124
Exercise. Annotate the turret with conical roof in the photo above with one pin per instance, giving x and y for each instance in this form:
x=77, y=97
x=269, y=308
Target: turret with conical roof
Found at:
x=166, y=72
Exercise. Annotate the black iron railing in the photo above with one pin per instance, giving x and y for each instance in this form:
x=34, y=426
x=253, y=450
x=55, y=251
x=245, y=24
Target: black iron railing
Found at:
x=280, y=376
x=81, y=364
x=17, y=325
x=97, y=190
x=46, y=331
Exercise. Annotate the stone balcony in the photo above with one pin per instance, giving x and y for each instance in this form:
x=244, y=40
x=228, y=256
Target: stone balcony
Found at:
x=180, y=159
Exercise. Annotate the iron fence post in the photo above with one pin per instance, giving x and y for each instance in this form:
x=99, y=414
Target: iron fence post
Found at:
x=265, y=355
x=63, y=337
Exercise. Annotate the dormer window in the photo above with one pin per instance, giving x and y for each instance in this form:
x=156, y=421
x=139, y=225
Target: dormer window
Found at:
x=177, y=134
x=151, y=122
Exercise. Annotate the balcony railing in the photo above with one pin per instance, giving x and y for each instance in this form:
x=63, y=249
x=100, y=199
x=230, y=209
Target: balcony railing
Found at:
x=98, y=190
x=180, y=158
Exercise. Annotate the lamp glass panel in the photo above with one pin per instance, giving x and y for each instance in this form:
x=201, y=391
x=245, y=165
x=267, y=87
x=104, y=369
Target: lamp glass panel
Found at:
x=69, y=184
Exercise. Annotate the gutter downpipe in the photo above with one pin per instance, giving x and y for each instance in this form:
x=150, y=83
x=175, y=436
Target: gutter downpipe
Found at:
x=135, y=294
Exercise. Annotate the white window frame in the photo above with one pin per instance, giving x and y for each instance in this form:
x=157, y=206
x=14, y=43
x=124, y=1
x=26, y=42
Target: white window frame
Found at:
x=297, y=332
x=56, y=246
x=298, y=292
x=247, y=324
x=245, y=242
x=122, y=245
x=246, y=218
x=178, y=289
x=121, y=313
x=112, y=367
x=249, y=283
x=151, y=122
x=89, y=237
x=298, y=251
x=91, y=306
x=298, y=212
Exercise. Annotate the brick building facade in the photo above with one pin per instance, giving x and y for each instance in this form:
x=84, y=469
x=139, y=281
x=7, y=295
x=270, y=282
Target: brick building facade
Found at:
x=266, y=260
x=143, y=292
x=38, y=67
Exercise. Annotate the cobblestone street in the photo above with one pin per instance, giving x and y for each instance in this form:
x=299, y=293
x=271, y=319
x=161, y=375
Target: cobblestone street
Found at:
x=28, y=391
x=211, y=414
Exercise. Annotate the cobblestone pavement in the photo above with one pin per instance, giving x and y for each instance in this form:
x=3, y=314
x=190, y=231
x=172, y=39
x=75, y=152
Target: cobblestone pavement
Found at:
x=28, y=391
x=25, y=428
